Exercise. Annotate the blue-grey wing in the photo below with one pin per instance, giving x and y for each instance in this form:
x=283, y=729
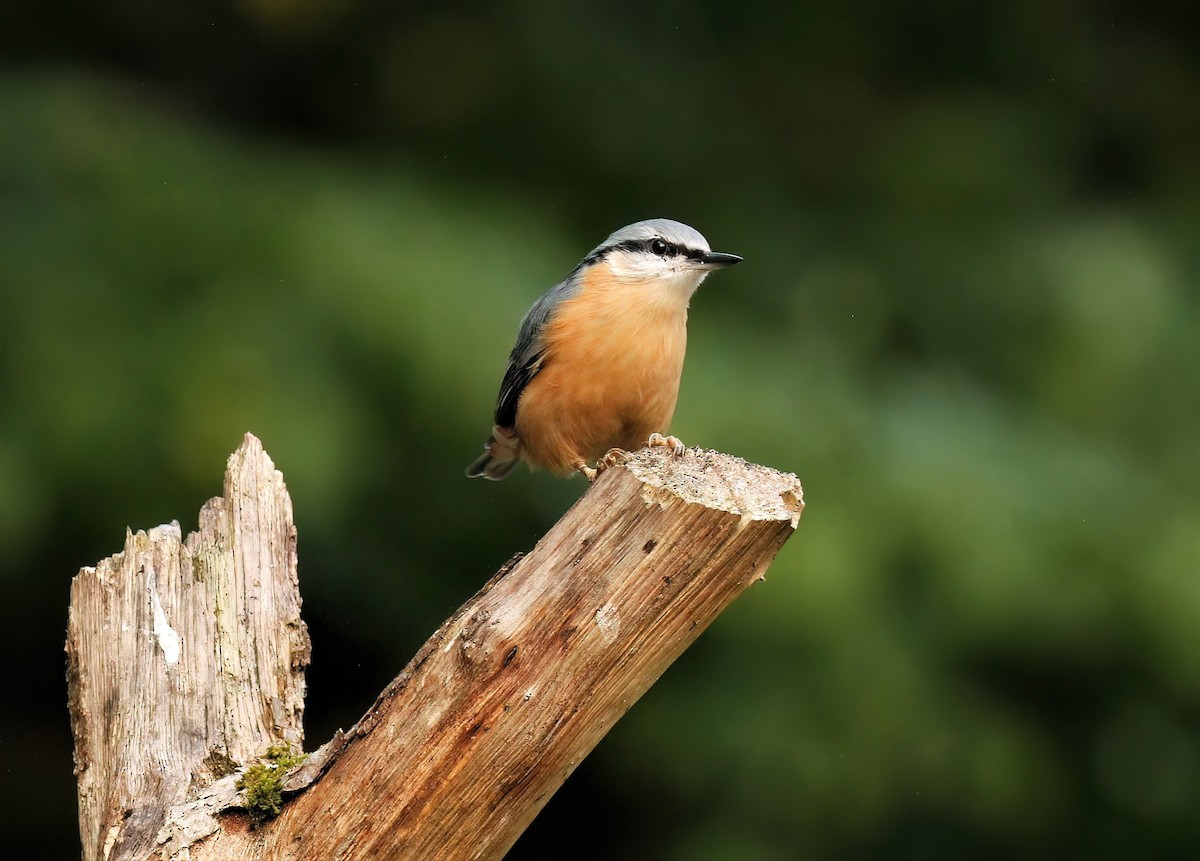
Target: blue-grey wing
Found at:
x=528, y=356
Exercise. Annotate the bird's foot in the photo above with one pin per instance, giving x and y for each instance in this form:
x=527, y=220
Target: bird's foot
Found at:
x=614, y=457
x=674, y=443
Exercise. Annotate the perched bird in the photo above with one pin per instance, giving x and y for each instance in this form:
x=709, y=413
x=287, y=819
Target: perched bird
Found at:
x=598, y=359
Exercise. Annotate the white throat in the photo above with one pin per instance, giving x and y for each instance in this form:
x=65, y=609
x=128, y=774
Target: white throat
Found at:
x=667, y=281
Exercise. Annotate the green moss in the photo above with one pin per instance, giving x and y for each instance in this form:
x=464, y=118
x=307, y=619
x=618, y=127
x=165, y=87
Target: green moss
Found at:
x=262, y=783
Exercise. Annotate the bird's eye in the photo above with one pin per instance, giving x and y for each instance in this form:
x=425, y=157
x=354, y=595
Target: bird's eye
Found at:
x=658, y=246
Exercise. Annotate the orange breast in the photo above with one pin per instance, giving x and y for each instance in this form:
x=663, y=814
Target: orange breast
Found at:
x=611, y=377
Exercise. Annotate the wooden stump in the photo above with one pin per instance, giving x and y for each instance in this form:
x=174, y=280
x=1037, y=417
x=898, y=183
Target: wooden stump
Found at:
x=186, y=659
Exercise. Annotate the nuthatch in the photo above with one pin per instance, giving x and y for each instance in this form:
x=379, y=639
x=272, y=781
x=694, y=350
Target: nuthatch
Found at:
x=598, y=359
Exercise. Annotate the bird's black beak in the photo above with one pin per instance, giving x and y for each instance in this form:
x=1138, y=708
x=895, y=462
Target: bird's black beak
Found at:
x=718, y=260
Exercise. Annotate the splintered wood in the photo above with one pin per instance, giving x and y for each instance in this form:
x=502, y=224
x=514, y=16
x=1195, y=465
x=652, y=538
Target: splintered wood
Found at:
x=466, y=745
x=185, y=658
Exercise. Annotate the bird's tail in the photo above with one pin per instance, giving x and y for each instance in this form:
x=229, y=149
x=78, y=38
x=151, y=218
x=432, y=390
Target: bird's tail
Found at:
x=501, y=453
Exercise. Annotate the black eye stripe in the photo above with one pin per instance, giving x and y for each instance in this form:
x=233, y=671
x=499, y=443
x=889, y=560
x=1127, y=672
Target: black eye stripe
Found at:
x=645, y=245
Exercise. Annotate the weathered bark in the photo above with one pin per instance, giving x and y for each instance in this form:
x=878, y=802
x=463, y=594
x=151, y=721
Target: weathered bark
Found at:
x=465, y=746
x=185, y=659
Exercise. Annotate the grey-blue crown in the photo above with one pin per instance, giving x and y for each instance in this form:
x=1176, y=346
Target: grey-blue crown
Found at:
x=655, y=236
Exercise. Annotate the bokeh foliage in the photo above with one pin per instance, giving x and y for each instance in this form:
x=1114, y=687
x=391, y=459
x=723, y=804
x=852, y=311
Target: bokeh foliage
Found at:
x=968, y=320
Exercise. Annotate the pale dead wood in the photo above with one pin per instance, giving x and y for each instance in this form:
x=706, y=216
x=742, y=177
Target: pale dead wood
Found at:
x=185, y=658
x=465, y=746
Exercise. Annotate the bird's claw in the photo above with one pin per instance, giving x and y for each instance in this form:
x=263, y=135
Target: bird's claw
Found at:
x=614, y=457
x=674, y=443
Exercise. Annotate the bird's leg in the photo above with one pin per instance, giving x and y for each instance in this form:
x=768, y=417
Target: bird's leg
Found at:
x=674, y=443
x=588, y=473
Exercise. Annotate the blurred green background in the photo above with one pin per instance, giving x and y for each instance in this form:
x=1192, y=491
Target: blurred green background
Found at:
x=969, y=320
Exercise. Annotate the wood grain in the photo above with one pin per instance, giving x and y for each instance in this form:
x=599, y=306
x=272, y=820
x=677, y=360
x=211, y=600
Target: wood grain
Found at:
x=185, y=658
x=466, y=745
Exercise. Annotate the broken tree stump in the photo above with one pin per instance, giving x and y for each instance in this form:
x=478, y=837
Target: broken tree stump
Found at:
x=185, y=658
x=186, y=663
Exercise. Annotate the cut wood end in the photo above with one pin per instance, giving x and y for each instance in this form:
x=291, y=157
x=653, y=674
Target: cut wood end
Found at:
x=721, y=481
